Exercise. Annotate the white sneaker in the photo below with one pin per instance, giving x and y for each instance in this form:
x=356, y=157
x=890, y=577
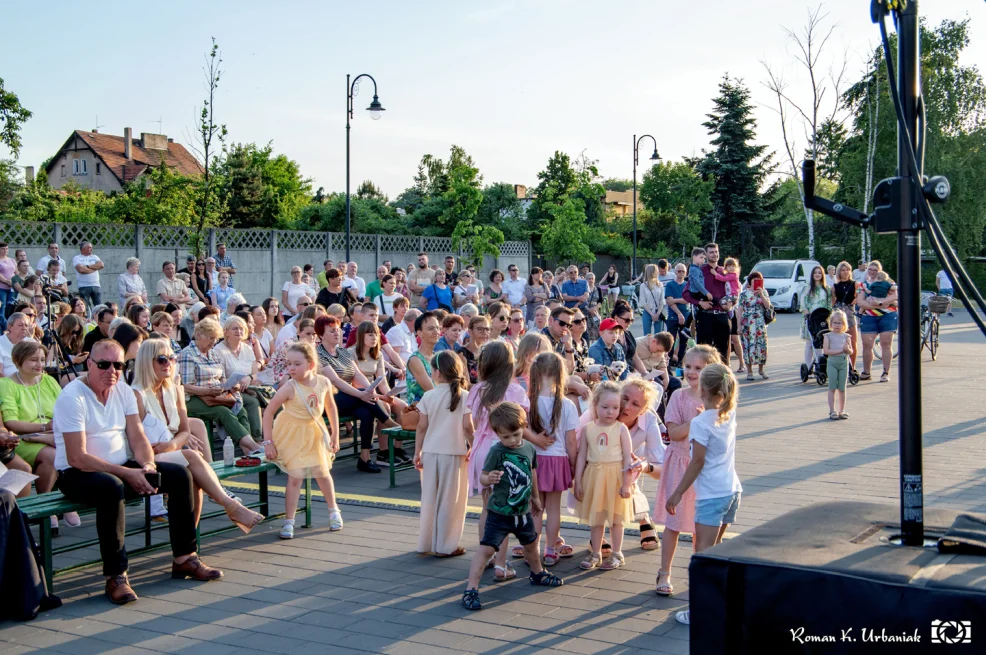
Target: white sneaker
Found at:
x=287, y=531
x=335, y=520
x=683, y=617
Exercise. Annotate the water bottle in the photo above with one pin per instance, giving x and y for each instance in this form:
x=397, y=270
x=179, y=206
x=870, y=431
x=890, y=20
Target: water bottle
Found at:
x=228, y=453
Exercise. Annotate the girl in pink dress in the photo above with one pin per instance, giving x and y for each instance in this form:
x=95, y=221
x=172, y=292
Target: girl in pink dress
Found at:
x=496, y=372
x=684, y=405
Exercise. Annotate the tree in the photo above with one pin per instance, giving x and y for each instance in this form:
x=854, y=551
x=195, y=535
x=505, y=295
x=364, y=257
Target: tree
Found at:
x=819, y=119
x=463, y=197
x=12, y=116
x=737, y=167
x=565, y=239
x=478, y=240
x=557, y=182
x=367, y=189
x=588, y=189
x=207, y=131
x=617, y=184
x=10, y=184
x=369, y=216
x=676, y=198
x=502, y=209
x=244, y=191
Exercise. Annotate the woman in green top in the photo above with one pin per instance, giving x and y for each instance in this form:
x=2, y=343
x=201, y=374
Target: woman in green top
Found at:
x=28, y=401
x=818, y=295
x=419, y=380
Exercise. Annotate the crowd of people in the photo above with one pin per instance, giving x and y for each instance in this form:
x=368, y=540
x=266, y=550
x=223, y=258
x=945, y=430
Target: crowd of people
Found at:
x=518, y=389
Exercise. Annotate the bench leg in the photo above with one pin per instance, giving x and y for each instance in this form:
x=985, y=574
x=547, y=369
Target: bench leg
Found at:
x=44, y=535
x=390, y=452
x=264, y=504
x=308, y=501
x=147, y=521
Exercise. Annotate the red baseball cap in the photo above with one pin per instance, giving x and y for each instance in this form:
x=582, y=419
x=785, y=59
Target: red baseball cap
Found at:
x=609, y=324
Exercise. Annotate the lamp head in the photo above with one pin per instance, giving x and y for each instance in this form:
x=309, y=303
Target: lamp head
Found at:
x=655, y=156
x=376, y=109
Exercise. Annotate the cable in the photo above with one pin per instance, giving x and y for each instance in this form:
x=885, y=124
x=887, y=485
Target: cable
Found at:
x=949, y=259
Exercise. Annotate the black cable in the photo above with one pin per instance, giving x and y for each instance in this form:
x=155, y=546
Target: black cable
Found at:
x=949, y=259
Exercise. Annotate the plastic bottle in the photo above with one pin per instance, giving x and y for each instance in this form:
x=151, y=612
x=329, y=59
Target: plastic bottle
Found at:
x=228, y=452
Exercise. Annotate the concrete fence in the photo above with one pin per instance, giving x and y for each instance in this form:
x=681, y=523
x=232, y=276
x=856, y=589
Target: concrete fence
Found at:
x=263, y=258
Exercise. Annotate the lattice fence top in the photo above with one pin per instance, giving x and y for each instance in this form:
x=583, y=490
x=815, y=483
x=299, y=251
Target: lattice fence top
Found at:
x=167, y=236
x=21, y=234
x=515, y=249
x=296, y=240
x=244, y=239
x=99, y=235
x=437, y=244
x=398, y=243
x=357, y=242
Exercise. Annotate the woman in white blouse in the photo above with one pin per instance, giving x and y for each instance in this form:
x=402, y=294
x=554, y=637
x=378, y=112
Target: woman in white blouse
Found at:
x=130, y=285
x=161, y=405
x=238, y=356
x=292, y=291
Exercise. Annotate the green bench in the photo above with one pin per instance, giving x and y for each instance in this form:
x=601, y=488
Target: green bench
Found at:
x=394, y=434
x=38, y=508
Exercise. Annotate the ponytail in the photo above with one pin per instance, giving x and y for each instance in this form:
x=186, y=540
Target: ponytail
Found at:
x=718, y=381
x=450, y=366
x=546, y=366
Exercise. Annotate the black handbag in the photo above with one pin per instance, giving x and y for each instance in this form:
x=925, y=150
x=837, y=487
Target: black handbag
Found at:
x=769, y=315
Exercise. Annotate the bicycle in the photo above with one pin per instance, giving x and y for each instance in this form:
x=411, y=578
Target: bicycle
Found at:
x=931, y=324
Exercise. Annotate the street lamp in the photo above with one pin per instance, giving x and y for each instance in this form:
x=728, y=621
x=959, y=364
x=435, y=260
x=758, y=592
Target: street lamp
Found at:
x=636, y=159
x=376, y=111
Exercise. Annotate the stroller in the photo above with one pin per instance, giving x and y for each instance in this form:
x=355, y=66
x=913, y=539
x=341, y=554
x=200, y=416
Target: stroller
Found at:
x=818, y=327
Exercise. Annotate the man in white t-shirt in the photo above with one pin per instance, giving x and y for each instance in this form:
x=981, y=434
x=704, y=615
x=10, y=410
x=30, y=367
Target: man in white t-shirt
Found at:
x=401, y=336
x=354, y=282
x=945, y=288
x=42, y=266
x=87, y=267
x=96, y=418
x=513, y=287
x=664, y=272
x=419, y=279
x=859, y=275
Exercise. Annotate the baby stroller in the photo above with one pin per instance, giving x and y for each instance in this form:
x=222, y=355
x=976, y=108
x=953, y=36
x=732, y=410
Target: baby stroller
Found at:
x=818, y=327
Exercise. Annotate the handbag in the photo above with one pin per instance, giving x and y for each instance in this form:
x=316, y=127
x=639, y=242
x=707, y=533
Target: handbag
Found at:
x=410, y=417
x=224, y=399
x=641, y=506
x=769, y=315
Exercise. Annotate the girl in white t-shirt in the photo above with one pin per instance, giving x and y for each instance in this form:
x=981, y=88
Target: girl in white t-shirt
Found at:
x=713, y=466
x=554, y=422
x=443, y=438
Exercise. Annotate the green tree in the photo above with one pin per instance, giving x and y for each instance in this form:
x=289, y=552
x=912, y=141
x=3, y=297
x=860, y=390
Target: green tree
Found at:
x=556, y=183
x=566, y=237
x=676, y=198
x=478, y=240
x=737, y=167
x=502, y=209
x=10, y=183
x=243, y=191
x=617, y=184
x=12, y=116
x=463, y=197
x=369, y=216
x=209, y=131
x=367, y=189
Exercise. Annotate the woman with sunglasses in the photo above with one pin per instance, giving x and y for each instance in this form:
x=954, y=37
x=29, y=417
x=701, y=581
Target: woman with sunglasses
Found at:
x=201, y=284
x=28, y=405
x=499, y=313
x=516, y=328
x=465, y=291
x=479, y=335
x=161, y=407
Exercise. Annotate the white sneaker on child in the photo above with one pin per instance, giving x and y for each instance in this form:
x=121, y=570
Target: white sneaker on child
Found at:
x=684, y=617
x=335, y=520
x=287, y=530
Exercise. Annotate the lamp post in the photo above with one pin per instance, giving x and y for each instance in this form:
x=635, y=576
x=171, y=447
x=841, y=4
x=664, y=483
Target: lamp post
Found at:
x=375, y=110
x=636, y=160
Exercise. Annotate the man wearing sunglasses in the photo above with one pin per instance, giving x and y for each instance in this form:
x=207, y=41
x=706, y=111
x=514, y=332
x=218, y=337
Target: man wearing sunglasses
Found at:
x=103, y=318
x=96, y=419
x=623, y=315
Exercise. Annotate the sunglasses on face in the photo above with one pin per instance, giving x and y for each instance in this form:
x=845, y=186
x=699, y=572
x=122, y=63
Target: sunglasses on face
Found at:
x=516, y=320
x=564, y=324
x=578, y=321
x=303, y=304
x=481, y=329
x=31, y=314
x=104, y=364
x=165, y=359
x=624, y=318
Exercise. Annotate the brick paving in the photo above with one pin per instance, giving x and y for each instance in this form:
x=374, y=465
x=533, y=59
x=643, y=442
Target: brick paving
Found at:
x=365, y=590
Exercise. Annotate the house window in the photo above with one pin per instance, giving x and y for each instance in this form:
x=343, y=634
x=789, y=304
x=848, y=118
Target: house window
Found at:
x=79, y=167
x=63, y=170
x=99, y=168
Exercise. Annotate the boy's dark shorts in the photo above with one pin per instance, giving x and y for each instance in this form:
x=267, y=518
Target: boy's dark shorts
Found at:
x=499, y=526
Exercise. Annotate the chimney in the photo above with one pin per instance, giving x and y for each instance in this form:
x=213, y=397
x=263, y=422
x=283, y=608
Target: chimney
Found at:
x=150, y=141
x=28, y=174
x=520, y=190
x=95, y=130
x=127, y=144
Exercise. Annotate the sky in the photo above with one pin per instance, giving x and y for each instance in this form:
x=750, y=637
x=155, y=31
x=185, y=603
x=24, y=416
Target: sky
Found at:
x=510, y=81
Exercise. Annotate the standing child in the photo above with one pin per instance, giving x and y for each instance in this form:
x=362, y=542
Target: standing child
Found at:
x=511, y=468
x=837, y=347
x=685, y=404
x=696, y=276
x=603, y=477
x=531, y=344
x=297, y=439
x=495, y=370
x=713, y=465
x=554, y=422
x=731, y=276
x=443, y=437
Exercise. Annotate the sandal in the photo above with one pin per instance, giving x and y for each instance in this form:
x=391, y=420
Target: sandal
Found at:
x=833, y=416
x=664, y=588
x=470, y=599
x=335, y=520
x=563, y=550
x=517, y=551
x=613, y=562
x=844, y=416
x=764, y=375
x=865, y=375
x=550, y=558
x=545, y=579
x=885, y=377
x=591, y=562
x=455, y=553
x=749, y=376
x=501, y=573
x=648, y=537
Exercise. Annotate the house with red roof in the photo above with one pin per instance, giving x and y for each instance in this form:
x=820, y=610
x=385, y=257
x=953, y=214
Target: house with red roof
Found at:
x=104, y=162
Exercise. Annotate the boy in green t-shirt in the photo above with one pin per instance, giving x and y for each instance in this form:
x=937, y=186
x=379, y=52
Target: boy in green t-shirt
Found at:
x=510, y=468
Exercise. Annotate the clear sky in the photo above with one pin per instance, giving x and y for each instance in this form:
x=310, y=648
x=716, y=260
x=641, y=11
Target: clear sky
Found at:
x=511, y=81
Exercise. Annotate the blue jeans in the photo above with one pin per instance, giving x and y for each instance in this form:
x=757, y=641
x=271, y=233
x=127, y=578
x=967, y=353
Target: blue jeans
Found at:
x=92, y=296
x=6, y=297
x=650, y=325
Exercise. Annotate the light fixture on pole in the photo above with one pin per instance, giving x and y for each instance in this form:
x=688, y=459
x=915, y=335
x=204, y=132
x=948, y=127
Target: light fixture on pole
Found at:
x=636, y=160
x=376, y=111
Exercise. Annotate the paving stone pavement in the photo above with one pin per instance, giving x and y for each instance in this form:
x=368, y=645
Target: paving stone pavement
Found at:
x=365, y=590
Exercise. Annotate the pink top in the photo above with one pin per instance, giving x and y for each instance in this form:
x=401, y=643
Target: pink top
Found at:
x=731, y=280
x=7, y=269
x=682, y=409
x=484, y=437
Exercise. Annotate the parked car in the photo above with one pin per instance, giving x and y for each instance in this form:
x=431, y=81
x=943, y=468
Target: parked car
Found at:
x=785, y=280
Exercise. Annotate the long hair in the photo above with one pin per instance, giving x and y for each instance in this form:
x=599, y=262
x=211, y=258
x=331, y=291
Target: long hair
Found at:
x=530, y=344
x=450, y=366
x=367, y=327
x=547, y=367
x=278, y=319
x=717, y=380
x=651, y=276
x=821, y=283
x=70, y=331
x=144, y=376
x=496, y=371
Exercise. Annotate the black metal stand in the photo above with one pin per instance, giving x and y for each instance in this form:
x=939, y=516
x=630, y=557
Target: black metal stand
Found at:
x=64, y=366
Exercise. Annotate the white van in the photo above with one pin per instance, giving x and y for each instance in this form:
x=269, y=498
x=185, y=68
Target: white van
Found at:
x=785, y=280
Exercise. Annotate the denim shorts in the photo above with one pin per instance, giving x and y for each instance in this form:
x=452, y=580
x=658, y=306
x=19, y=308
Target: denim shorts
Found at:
x=499, y=526
x=878, y=324
x=716, y=511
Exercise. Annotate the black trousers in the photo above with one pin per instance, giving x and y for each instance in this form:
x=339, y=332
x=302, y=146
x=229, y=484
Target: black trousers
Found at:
x=713, y=330
x=366, y=413
x=109, y=495
x=22, y=583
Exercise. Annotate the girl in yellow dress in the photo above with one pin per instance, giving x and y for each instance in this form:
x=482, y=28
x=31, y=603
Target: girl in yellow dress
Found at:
x=603, y=477
x=297, y=440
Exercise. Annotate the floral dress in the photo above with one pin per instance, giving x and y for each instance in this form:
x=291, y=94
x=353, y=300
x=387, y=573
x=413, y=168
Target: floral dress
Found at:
x=812, y=301
x=753, y=332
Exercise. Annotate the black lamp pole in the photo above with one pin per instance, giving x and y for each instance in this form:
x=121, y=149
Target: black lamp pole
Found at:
x=636, y=160
x=375, y=108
